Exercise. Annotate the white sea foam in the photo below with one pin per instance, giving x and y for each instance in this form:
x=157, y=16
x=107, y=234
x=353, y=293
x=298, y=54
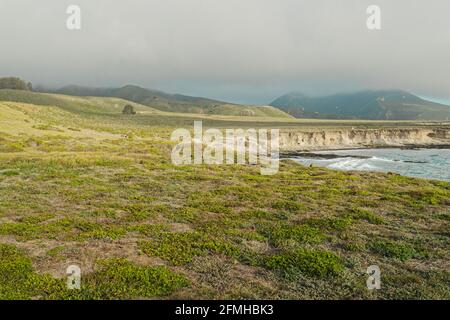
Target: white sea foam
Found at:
x=384, y=159
x=353, y=164
x=425, y=163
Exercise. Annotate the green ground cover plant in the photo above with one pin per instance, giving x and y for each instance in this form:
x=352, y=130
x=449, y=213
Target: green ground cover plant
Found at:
x=101, y=192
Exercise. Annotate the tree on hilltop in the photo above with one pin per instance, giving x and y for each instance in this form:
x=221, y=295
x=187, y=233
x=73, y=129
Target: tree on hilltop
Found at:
x=15, y=84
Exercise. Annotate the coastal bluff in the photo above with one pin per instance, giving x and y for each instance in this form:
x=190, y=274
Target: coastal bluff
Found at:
x=347, y=138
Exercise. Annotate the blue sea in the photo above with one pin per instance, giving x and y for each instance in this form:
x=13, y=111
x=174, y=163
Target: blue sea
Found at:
x=422, y=163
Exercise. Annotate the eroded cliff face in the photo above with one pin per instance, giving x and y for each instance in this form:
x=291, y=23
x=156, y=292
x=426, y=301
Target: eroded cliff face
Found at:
x=362, y=138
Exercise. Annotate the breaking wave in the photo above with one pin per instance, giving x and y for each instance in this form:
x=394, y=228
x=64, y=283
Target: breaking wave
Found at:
x=425, y=163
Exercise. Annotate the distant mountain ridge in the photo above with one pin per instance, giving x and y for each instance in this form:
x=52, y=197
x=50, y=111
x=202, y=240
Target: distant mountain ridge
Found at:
x=370, y=105
x=172, y=102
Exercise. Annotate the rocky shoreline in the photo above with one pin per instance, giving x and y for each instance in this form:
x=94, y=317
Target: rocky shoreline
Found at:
x=329, y=156
x=312, y=154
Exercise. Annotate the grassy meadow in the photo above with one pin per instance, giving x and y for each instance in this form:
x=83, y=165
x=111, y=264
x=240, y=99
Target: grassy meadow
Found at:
x=82, y=184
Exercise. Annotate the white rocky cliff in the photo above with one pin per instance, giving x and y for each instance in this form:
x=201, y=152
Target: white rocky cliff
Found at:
x=362, y=138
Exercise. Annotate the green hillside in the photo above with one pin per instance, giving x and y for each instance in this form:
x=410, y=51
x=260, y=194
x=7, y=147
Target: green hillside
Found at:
x=71, y=103
x=83, y=184
x=175, y=102
x=371, y=105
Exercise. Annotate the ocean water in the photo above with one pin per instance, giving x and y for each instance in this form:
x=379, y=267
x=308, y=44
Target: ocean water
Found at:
x=422, y=163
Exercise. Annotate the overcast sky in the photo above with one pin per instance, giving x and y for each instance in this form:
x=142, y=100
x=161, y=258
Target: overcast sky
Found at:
x=248, y=51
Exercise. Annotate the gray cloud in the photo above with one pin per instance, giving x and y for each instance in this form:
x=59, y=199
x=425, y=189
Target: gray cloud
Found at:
x=240, y=50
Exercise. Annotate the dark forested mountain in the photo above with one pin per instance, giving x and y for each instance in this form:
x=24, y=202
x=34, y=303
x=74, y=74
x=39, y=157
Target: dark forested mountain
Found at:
x=172, y=102
x=374, y=105
x=135, y=93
